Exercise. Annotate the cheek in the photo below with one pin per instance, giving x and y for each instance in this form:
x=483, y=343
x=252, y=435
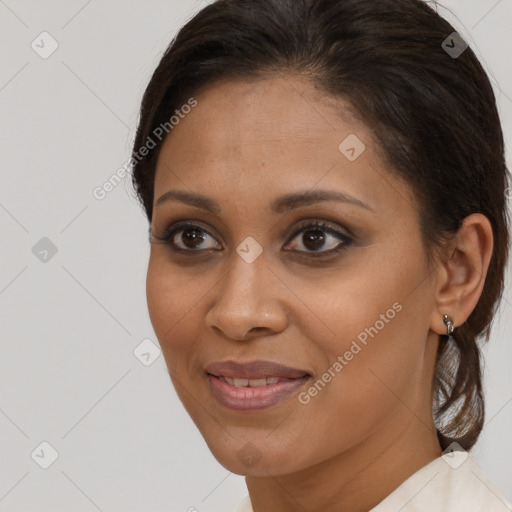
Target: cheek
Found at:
x=371, y=328
x=369, y=373
x=351, y=304
x=172, y=305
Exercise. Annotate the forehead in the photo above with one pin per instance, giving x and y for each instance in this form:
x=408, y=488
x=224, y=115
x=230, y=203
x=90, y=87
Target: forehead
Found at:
x=275, y=134
x=276, y=109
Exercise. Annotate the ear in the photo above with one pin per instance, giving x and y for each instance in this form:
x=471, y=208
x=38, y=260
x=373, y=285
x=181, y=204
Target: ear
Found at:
x=462, y=272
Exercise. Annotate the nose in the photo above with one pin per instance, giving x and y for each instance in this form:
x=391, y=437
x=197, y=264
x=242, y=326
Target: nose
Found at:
x=249, y=301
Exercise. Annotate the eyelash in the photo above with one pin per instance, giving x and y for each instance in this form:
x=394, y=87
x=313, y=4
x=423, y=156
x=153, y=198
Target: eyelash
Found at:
x=345, y=240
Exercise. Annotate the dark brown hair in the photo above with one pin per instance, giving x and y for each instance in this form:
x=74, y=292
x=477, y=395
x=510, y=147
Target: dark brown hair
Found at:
x=434, y=116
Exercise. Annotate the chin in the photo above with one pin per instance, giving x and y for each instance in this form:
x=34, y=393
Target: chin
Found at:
x=244, y=458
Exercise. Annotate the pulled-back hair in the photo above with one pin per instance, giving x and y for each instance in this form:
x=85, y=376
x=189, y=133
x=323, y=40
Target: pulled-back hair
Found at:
x=434, y=116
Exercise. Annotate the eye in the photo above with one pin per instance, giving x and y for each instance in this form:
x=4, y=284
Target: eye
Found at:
x=318, y=235
x=191, y=237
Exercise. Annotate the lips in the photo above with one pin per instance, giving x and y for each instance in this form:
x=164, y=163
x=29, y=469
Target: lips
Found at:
x=253, y=371
x=253, y=386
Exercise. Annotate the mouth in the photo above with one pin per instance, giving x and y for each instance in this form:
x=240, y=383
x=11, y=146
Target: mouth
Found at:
x=254, y=385
x=254, y=370
x=240, y=382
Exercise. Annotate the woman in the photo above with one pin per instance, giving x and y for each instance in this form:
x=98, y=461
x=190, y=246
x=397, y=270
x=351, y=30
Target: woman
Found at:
x=325, y=186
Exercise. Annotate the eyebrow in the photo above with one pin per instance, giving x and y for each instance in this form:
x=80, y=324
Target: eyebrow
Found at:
x=282, y=204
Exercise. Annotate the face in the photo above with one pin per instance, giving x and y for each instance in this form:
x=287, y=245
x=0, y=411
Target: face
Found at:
x=293, y=307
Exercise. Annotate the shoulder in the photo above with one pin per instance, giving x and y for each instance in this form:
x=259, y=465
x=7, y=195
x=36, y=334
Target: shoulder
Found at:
x=244, y=505
x=451, y=483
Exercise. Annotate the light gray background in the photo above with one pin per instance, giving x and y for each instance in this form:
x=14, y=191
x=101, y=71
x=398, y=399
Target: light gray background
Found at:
x=68, y=328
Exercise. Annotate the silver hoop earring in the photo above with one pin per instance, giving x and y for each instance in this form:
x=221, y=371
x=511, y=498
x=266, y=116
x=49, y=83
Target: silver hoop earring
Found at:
x=449, y=324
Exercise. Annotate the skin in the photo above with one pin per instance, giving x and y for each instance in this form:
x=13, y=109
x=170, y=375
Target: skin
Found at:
x=371, y=427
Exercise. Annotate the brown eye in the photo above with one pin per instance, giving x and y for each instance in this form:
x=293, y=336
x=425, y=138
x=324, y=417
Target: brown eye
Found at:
x=313, y=239
x=192, y=237
x=316, y=236
x=189, y=237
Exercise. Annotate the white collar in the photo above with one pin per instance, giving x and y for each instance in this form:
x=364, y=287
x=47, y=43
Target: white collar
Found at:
x=451, y=483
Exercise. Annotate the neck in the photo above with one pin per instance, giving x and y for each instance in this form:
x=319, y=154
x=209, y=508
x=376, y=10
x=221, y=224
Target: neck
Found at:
x=355, y=480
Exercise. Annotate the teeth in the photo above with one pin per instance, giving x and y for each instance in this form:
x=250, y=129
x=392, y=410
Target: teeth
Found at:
x=240, y=383
x=257, y=382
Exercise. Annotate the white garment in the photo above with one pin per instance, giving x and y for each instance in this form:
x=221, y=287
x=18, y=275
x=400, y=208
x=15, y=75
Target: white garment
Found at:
x=450, y=483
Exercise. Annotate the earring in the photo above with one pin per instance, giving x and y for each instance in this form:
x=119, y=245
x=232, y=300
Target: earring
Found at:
x=449, y=324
